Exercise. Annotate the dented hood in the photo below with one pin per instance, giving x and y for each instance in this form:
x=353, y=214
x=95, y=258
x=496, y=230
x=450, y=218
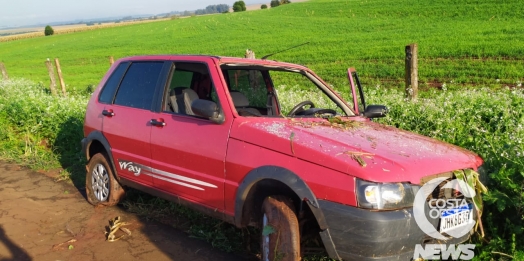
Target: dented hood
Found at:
x=357, y=147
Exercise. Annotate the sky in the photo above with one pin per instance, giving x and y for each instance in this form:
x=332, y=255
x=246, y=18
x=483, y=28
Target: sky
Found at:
x=15, y=13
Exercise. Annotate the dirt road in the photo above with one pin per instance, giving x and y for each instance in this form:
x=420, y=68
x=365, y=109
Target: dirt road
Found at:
x=38, y=214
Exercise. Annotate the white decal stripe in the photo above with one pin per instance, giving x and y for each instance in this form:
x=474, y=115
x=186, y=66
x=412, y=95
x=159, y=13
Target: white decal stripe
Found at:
x=182, y=178
x=173, y=181
x=163, y=175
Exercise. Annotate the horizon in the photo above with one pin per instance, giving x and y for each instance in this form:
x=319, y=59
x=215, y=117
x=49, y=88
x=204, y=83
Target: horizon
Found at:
x=33, y=12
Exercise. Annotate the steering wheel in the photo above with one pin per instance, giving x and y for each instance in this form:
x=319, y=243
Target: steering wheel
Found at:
x=299, y=108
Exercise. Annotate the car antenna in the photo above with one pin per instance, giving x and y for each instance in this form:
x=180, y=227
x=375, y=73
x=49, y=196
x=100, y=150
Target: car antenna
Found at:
x=265, y=57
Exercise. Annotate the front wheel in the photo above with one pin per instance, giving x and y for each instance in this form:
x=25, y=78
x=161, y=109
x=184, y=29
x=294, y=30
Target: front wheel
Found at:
x=102, y=188
x=280, y=237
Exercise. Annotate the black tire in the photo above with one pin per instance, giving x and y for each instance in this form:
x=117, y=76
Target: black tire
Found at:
x=102, y=188
x=280, y=236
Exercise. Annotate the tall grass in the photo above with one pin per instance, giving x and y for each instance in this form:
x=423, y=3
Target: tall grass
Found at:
x=38, y=129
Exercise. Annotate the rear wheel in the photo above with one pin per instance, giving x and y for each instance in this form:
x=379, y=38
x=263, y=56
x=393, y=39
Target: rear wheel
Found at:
x=102, y=188
x=280, y=237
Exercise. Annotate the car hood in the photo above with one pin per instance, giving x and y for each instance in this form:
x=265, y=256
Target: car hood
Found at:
x=356, y=146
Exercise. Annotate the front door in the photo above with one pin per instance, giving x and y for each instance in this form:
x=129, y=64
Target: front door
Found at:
x=188, y=152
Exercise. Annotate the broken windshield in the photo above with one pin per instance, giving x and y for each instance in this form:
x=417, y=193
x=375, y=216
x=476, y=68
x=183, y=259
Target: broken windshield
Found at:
x=272, y=91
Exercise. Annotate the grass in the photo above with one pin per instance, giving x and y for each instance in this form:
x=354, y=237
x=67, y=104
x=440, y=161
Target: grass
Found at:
x=461, y=43
x=467, y=42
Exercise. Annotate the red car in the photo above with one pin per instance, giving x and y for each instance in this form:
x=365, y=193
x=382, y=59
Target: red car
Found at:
x=263, y=143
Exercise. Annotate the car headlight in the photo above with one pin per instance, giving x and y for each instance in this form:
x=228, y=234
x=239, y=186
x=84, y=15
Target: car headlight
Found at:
x=385, y=195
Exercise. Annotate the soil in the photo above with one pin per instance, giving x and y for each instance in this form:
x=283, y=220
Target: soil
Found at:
x=41, y=219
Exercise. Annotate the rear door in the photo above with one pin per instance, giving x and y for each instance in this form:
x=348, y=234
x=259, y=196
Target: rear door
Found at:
x=188, y=152
x=127, y=120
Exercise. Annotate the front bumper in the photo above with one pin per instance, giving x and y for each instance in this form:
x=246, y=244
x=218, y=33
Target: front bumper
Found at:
x=361, y=234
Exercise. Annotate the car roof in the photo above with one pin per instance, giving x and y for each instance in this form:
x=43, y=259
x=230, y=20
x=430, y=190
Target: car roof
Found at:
x=219, y=59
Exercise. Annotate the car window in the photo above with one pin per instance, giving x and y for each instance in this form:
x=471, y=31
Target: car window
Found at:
x=181, y=79
x=294, y=88
x=251, y=84
x=189, y=81
x=108, y=91
x=138, y=86
x=260, y=91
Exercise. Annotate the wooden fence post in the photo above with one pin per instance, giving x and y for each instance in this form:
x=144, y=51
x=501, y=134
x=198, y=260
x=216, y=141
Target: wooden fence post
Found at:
x=59, y=71
x=4, y=71
x=111, y=60
x=52, y=86
x=412, y=71
x=253, y=80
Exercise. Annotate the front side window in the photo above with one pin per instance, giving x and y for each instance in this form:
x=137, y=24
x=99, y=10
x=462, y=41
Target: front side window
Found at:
x=138, y=86
x=188, y=82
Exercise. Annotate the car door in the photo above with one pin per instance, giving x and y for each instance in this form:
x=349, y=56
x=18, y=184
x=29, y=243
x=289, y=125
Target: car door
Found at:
x=188, y=152
x=127, y=117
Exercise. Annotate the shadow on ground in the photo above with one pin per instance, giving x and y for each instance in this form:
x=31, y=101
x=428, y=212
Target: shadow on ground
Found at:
x=16, y=253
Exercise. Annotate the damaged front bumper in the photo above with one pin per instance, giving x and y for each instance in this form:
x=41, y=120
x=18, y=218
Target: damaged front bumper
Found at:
x=361, y=234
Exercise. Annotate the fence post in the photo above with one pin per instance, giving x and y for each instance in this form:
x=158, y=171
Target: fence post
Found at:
x=253, y=80
x=412, y=71
x=52, y=86
x=4, y=71
x=111, y=61
x=59, y=71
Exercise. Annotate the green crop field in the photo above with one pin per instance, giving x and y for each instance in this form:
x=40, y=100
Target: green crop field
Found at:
x=472, y=50
x=461, y=41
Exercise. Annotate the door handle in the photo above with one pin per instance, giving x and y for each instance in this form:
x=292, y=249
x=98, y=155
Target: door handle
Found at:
x=158, y=122
x=108, y=113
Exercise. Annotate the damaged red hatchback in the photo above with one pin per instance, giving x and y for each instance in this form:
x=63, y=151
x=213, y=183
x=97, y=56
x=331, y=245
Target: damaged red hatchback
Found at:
x=263, y=143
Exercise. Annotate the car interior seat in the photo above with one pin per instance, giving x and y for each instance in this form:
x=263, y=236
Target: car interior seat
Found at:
x=189, y=96
x=176, y=100
x=241, y=104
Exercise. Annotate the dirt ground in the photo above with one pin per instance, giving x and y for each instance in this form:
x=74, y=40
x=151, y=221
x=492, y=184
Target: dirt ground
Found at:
x=41, y=219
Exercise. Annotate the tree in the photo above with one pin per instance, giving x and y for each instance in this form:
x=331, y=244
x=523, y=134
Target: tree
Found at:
x=49, y=30
x=239, y=6
x=274, y=3
x=283, y=2
x=264, y=6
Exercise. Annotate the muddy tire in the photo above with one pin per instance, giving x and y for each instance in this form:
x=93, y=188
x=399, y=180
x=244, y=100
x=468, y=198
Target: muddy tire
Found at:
x=280, y=237
x=102, y=188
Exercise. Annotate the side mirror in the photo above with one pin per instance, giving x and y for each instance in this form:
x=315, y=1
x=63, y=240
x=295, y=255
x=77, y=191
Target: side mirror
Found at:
x=375, y=111
x=207, y=109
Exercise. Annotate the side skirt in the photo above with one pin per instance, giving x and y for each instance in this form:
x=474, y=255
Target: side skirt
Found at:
x=215, y=213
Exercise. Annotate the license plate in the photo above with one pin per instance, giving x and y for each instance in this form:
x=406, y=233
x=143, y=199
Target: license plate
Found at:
x=455, y=218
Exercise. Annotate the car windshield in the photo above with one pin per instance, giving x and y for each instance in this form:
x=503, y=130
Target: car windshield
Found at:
x=259, y=91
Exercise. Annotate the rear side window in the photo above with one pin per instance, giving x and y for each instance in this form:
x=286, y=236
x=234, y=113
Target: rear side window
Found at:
x=138, y=86
x=108, y=92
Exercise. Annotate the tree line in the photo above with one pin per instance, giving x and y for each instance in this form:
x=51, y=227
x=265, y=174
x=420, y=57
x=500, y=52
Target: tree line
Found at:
x=213, y=9
x=240, y=6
